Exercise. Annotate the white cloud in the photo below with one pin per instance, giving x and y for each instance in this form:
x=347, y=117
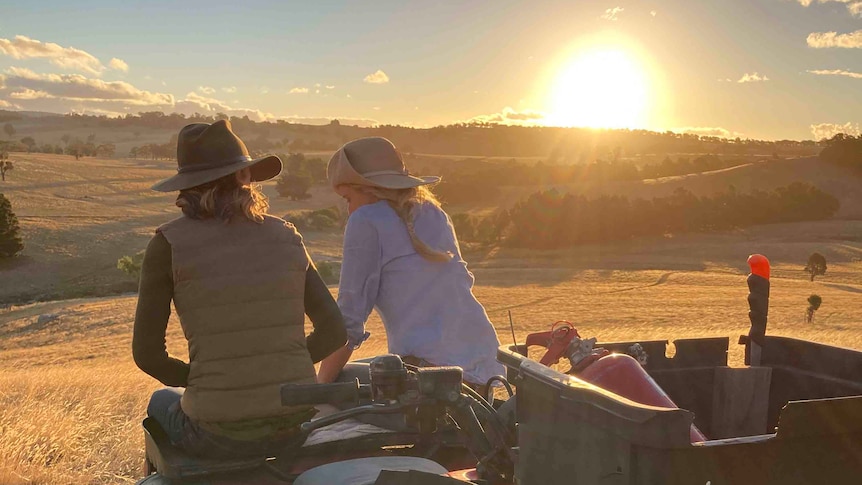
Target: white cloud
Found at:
x=828, y=130
x=330, y=87
x=509, y=116
x=837, y=72
x=298, y=91
x=7, y=104
x=823, y=40
x=855, y=9
x=612, y=13
x=653, y=13
x=77, y=87
x=206, y=90
x=264, y=90
x=118, y=65
x=23, y=47
x=229, y=89
x=376, y=108
x=378, y=77
x=752, y=78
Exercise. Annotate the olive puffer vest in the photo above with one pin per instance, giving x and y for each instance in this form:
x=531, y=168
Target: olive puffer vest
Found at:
x=239, y=290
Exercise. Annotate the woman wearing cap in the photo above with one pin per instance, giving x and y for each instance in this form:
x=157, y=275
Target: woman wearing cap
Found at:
x=241, y=282
x=401, y=257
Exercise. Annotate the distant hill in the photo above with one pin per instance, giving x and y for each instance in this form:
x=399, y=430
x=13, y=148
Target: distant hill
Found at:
x=556, y=145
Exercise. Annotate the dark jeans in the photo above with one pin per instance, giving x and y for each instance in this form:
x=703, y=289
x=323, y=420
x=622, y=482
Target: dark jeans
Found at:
x=165, y=408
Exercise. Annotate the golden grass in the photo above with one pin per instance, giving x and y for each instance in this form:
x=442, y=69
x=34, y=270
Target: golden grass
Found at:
x=72, y=399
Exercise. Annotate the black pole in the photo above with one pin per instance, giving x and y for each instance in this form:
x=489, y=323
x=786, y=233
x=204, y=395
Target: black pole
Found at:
x=758, y=305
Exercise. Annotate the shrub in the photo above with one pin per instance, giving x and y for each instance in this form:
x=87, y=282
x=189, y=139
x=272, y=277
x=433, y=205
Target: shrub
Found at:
x=315, y=220
x=294, y=187
x=330, y=271
x=131, y=265
x=10, y=239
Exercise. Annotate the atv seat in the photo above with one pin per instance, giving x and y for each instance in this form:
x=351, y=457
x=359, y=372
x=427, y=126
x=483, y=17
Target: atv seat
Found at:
x=174, y=463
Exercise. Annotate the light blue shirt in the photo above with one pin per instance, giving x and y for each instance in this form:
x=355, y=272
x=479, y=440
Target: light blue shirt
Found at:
x=427, y=308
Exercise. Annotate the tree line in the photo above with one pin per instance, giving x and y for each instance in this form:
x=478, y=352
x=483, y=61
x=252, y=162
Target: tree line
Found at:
x=570, y=145
x=551, y=219
x=479, y=181
x=843, y=150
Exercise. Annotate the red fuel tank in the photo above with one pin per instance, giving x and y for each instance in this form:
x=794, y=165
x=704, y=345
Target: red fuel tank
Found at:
x=623, y=375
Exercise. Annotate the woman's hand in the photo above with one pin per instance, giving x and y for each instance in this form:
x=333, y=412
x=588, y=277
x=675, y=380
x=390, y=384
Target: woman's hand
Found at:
x=331, y=366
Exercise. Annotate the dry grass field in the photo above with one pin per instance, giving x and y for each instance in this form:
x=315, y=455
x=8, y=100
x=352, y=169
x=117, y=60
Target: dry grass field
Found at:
x=71, y=398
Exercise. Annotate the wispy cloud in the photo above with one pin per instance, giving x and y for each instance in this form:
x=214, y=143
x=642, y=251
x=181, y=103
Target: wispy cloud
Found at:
x=229, y=89
x=653, y=13
x=7, y=104
x=22, y=47
x=709, y=131
x=853, y=6
x=298, y=91
x=195, y=103
x=836, y=72
x=752, y=78
x=325, y=120
x=828, y=130
x=206, y=90
x=118, y=65
x=330, y=87
x=378, y=77
x=612, y=13
x=28, y=94
x=823, y=40
x=78, y=87
x=510, y=116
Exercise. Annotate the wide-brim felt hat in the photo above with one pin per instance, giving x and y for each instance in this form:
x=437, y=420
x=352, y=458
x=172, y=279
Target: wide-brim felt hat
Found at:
x=207, y=152
x=375, y=162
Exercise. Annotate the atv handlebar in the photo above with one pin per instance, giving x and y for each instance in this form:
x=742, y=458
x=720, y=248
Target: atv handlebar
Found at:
x=312, y=394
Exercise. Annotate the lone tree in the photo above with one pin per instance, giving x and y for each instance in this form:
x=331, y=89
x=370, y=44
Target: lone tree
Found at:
x=814, y=302
x=816, y=265
x=9, y=129
x=5, y=165
x=30, y=142
x=10, y=240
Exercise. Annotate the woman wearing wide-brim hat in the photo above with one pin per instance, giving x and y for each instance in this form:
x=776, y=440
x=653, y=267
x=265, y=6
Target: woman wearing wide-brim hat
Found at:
x=401, y=257
x=241, y=282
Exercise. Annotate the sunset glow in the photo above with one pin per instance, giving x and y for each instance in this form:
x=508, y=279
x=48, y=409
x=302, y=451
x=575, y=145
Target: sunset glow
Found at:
x=600, y=89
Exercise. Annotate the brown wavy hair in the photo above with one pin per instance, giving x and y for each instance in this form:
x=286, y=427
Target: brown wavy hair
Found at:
x=403, y=202
x=223, y=199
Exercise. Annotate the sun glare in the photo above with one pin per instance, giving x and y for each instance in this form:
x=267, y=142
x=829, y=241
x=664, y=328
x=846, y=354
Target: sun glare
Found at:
x=600, y=89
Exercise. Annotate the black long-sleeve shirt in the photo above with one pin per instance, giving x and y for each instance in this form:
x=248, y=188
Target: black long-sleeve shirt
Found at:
x=154, y=308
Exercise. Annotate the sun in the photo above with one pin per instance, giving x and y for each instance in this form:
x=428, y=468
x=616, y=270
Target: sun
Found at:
x=600, y=89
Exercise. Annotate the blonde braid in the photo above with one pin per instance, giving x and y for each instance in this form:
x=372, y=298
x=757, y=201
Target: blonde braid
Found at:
x=403, y=202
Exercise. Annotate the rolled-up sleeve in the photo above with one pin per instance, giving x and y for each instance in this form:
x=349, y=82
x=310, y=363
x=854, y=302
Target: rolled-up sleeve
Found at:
x=360, y=278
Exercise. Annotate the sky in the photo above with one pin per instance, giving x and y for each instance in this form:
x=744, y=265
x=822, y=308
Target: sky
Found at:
x=766, y=69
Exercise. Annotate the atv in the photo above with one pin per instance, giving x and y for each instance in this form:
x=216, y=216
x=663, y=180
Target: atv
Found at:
x=625, y=413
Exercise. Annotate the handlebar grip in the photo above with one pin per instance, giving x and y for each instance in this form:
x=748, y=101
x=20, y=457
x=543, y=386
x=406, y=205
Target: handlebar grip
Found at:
x=311, y=394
